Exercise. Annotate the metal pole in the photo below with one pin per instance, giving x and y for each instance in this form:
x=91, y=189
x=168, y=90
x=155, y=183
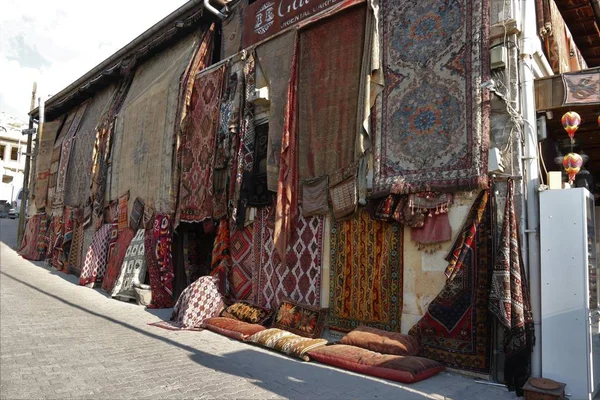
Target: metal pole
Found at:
x=25, y=192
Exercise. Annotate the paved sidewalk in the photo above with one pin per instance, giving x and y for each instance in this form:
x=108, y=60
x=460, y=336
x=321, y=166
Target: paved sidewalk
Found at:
x=60, y=340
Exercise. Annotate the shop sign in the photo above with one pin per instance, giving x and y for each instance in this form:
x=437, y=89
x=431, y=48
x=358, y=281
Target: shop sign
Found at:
x=264, y=18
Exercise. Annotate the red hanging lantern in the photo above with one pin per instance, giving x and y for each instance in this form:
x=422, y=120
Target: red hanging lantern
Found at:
x=572, y=163
x=571, y=121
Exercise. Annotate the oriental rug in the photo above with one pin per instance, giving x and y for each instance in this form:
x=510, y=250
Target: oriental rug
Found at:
x=158, y=244
x=123, y=210
x=44, y=158
x=74, y=260
x=29, y=245
x=456, y=329
x=432, y=120
x=330, y=58
x=54, y=239
x=221, y=257
x=116, y=255
x=366, y=275
x=198, y=149
x=274, y=59
x=95, y=259
x=55, y=162
x=42, y=243
x=65, y=157
x=298, y=276
x=242, y=262
x=509, y=299
x=133, y=268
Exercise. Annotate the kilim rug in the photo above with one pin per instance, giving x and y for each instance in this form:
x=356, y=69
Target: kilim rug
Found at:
x=65, y=157
x=95, y=259
x=55, y=242
x=43, y=160
x=55, y=162
x=116, y=254
x=298, y=277
x=74, y=261
x=456, y=329
x=198, y=149
x=42, y=243
x=159, y=258
x=133, y=268
x=242, y=262
x=328, y=88
x=366, y=274
x=29, y=245
x=433, y=120
x=275, y=57
x=221, y=257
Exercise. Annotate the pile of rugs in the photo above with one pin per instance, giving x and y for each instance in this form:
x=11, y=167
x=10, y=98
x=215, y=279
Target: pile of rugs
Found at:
x=295, y=329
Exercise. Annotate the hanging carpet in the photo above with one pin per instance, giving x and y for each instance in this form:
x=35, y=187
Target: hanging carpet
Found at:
x=55, y=161
x=198, y=149
x=433, y=116
x=29, y=248
x=366, y=274
x=242, y=262
x=133, y=268
x=329, y=69
x=298, y=277
x=43, y=160
x=158, y=245
x=456, y=328
x=116, y=256
x=96, y=256
x=145, y=129
x=74, y=260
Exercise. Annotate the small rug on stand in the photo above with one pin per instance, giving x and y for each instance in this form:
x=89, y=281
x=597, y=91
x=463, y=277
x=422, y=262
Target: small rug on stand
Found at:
x=330, y=57
x=432, y=119
x=95, y=259
x=198, y=149
x=456, y=329
x=366, y=274
x=133, y=268
x=299, y=277
x=242, y=262
x=158, y=244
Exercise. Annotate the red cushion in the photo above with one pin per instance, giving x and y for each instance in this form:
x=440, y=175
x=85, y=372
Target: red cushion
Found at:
x=382, y=341
x=405, y=369
x=232, y=328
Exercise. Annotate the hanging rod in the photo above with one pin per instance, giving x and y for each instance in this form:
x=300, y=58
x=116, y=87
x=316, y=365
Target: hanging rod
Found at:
x=506, y=176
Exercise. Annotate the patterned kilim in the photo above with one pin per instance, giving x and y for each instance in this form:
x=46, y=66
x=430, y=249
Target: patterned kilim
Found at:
x=116, y=254
x=95, y=258
x=329, y=68
x=123, y=210
x=198, y=149
x=55, y=241
x=55, y=162
x=43, y=160
x=242, y=258
x=299, y=277
x=74, y=261
x=456, y=329
x=433, y=120
x=366, y=274
x=158, y=247
x=221, y=257
x=29, y=245
x=42, y=243
x=133, y=268
x=65, y=157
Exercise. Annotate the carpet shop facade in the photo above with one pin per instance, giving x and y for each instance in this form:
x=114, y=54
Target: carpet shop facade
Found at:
x=332, y=153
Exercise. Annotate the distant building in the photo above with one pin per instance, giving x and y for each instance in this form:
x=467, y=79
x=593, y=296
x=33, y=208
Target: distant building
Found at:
x=12, y=159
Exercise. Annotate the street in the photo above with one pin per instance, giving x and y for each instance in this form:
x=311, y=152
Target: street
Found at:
x=60, y=340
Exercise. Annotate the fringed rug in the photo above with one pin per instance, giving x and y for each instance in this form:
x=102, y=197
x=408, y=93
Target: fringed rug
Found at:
x=44, y=158
x=366, y=274
x=29, y=245
x=96, y=256
x=158, y=245
x=242, y=259
x=198, y=149
x=133, y=268
x=54, y=164
x=456, y=329
x=74, y=260
x=329, y=69
x=116, y=255
x=433, y=119
x=299, y=277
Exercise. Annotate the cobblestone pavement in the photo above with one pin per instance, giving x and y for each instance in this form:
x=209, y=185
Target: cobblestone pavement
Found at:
x=60, y=340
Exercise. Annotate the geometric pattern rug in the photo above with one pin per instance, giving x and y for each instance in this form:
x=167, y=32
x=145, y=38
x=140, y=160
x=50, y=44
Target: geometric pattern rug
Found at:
x=299, y=277
x=242, y=262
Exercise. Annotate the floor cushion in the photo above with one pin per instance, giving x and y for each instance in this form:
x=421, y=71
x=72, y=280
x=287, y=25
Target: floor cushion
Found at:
x=247, y=312
x=287, y=342
x=382, y=341
x=301, y=319
x=405, y=369
x=232, y=328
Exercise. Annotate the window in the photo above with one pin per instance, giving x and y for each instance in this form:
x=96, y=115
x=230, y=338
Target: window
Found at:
x=2, y=147
x=14, y=153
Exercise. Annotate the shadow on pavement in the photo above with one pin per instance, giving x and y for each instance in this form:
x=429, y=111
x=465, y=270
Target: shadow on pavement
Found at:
x=300, y=375
x=8, y=232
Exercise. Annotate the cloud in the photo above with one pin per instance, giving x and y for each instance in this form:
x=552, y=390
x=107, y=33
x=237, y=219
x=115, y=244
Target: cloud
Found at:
x=56, y=42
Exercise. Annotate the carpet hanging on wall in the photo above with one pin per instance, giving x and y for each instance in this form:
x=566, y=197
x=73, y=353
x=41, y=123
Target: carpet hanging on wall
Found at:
x=242, y=262
x=456, y=329
x=432, y=119
x=366, y=274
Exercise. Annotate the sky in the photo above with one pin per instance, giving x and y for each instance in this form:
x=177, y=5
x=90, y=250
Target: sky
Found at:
x=54, y=42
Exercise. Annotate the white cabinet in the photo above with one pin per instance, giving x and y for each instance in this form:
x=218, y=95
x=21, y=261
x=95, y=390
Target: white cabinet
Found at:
x=570, y=333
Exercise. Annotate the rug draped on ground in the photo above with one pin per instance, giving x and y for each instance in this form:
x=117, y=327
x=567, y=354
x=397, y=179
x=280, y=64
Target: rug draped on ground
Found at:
x=366, y=274
x=299, y=277
x=509, y=299
x=456, y=329
x=198, y=149
x=329, y=68
x=433, y=116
